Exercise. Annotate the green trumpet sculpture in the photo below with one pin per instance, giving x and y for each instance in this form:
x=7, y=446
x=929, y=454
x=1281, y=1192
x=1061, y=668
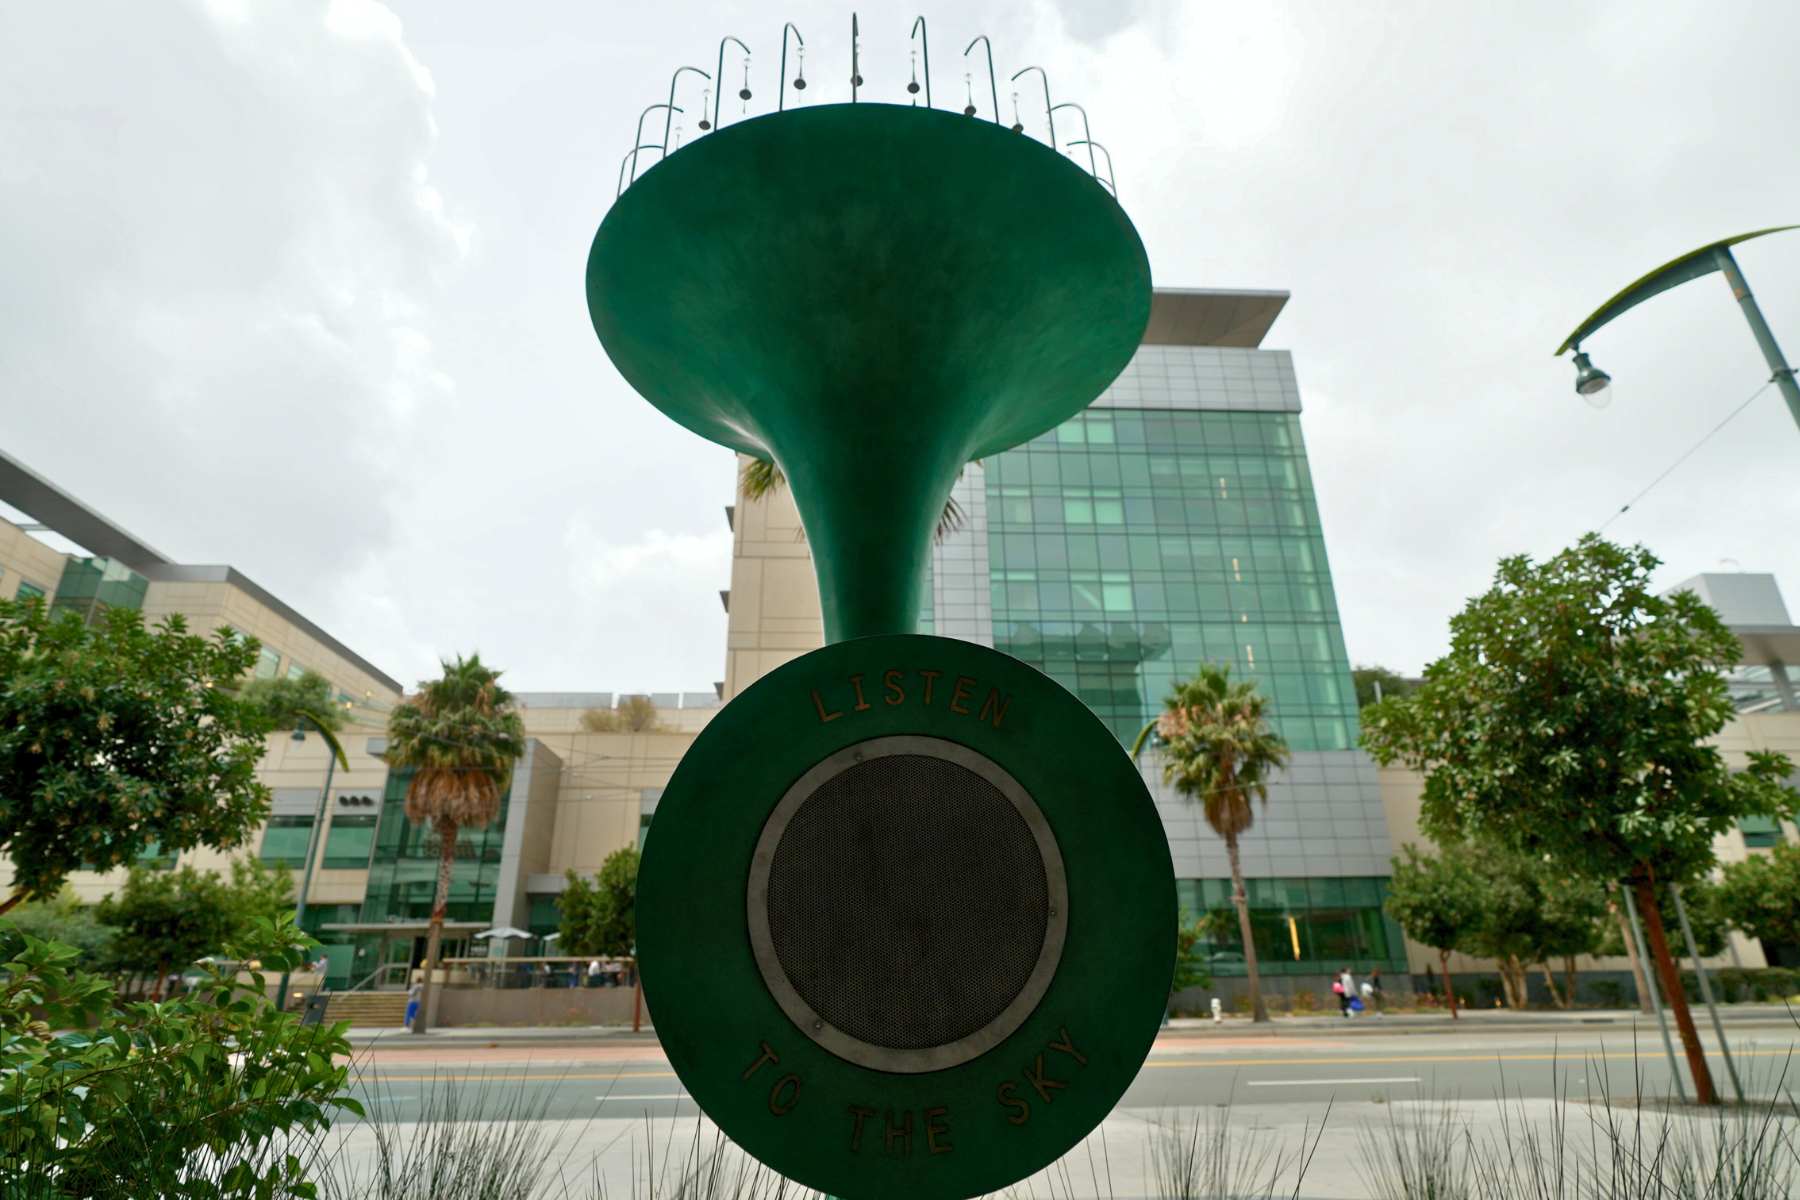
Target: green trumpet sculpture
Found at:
x=871, y=296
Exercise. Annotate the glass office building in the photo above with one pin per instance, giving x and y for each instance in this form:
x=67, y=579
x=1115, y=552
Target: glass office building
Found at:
x=1174, y=523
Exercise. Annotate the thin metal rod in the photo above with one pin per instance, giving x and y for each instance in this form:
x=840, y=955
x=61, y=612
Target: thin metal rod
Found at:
x=1086, y=134
x=1111, y=180
x=855, y=59
x=313, y=838
x=924, y=35
x=638, y=141
x=1049, y=112
x=630, y=158
x=1759, y=329
x=781, y=92
x=670, y=119
x=1706, y=992
x=719, y=76
x=993, y=89
x=1637, y=935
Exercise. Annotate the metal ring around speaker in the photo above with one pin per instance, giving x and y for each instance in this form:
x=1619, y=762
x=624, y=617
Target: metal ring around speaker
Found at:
x=1021, y=995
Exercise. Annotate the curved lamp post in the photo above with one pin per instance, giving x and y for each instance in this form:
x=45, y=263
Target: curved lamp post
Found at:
x=993, y=90
x=670, y=119
x=631, y=158
x=924, y=35
x=334, y=754
x=1111, y=181
x=638, y=141
x=1086, y=134
x=1049, y=112
x=1591, y=381
x=855, y=58
x=800, y=82
x=719, y=79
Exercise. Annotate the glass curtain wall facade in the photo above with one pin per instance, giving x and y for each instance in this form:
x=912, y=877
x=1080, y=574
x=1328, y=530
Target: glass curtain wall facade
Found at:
x=1174, y=524
x=403, y=867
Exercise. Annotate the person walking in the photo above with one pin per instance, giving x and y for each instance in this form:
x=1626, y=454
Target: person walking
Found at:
x=1337, y=989
x=412, y=1000
x=593, y=979
x=1371, y=990
x=1347, y=982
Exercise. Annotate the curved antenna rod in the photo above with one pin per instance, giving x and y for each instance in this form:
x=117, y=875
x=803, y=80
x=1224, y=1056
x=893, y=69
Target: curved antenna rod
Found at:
x=639, y=139
x=670, y=119
x=719, y=74
x=855, y=59
x=1049, y=113
x=781, y=93
x=1085, y=133
x=1109, y=181
x=924, y=35
x=629, y=158
x=992, y=89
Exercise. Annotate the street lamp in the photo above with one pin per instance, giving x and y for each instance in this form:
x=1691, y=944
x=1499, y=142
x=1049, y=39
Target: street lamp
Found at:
x=1591, y=382
x=333, y=751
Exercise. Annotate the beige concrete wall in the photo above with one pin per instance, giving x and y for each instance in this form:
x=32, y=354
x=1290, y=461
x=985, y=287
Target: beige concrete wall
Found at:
x=24, y=559
x=210, y=605
x=537, y=1006
x=774, y=594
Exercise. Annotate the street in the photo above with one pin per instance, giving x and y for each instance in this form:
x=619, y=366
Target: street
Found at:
x=614, y=1104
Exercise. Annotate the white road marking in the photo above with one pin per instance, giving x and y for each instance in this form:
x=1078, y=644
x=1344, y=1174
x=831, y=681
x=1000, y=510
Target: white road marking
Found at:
x=1325, y=1082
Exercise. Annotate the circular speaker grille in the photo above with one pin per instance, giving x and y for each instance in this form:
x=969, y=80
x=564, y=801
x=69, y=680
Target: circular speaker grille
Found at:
x=907, y=903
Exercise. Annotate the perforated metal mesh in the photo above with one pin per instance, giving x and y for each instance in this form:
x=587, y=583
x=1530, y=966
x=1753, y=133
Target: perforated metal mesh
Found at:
x=908, y=901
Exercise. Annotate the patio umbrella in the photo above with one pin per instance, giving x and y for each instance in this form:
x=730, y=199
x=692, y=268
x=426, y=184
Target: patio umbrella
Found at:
x=504, y=931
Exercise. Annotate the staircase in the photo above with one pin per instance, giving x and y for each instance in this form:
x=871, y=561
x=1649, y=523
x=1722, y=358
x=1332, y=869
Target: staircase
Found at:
x=368, y=1010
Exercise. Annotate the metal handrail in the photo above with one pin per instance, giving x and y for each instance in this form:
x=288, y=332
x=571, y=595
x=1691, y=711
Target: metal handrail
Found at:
x=383, y=969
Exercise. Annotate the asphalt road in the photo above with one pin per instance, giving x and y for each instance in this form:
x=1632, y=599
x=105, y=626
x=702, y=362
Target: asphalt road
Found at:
x=1187, y=1070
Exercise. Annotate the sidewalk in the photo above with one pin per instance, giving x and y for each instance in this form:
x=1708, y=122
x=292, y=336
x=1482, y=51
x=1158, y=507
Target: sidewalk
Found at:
x=1181, y=1030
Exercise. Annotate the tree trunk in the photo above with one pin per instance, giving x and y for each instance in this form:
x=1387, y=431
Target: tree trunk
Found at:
x=1449, y=991
x=1637, y=966
x=8, y=904
x=1557, y=998
x=1672, y=991
x=1569, y=979
x=447, y=836
x=1258, y=1012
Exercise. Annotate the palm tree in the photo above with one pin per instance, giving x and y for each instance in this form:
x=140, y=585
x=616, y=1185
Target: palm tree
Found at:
x=460, y=735
x=1218, y=748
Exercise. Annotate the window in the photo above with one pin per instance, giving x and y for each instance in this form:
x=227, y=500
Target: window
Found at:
x=285, y=840
x=1760, y=832
x=268, y=662
x=349, y=841
x=28, y=590
x=152, y=856
x=295, y=670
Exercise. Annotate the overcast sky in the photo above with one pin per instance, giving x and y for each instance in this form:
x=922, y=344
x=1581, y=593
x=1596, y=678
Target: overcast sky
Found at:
x=298, y=286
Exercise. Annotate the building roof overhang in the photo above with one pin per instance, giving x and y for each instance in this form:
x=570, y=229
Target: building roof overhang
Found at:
x=1211, y=317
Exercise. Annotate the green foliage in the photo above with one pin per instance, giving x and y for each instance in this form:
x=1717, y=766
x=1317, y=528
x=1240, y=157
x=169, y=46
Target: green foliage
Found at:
x=1393, y=684
x=1190, y=954
x=300, y=703
x=599, y=916
x=114, y=737
x=1761, y=895
x=460, y=734
x=1705, y=912
x=1437, y=899
x=64, y=918
x=189, y=1098
x=1571, y=719
x=165, y=921
x=635, y=714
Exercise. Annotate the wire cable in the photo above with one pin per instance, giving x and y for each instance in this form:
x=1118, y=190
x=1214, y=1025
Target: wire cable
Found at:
x=1689, y=452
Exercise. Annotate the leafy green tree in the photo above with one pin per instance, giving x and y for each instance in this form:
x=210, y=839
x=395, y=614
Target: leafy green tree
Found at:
x=114, y=738
x=258, y=891
x=1705, y=910
x=460, y=735
x=165, y=921
x=1761, y=896
x=64, y=918
x=1217, y=748
x=1437, y=900
x=301, y=703
x=1531, y=914
x=1191, y=936
x=194, y=1097
x=599, y=916
x=1369, y=680
x=1571, y=720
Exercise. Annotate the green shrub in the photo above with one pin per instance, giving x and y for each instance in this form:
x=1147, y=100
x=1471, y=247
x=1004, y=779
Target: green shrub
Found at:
x=205, y=1095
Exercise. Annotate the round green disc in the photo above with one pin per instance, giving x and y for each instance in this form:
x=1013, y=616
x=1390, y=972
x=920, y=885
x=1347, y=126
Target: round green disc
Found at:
x=906, y=919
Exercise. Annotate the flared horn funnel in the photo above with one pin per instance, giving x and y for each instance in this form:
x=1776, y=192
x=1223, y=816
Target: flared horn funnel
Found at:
x=871, y=296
